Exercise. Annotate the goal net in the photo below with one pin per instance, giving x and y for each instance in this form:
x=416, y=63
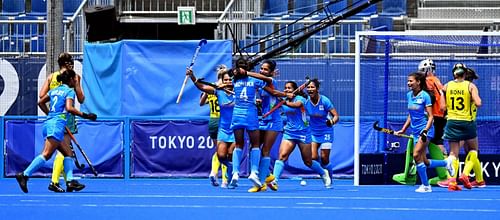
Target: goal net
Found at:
x=383, y=61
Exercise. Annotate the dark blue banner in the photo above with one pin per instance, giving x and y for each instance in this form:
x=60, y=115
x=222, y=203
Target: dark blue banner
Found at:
x=101, y=141
x=171, y=149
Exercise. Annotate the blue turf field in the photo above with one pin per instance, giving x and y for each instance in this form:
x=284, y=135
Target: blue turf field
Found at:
x=196, y=199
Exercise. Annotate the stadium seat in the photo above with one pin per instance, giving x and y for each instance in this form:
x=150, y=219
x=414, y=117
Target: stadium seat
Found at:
x=13, y=44
x=262, y=29
x=336, y=7
x=338, y=45
x=13, y=7
x=303, y=7
x=25, y=29
x=394, y=7
x=252, y=49
x=275, y=7
x=70, y=6
x=37, y=44
x=378, y=21
x=38, y=8
x=311, y=45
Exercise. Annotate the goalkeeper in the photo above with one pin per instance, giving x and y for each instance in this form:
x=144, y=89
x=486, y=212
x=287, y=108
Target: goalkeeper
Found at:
x=436, y=147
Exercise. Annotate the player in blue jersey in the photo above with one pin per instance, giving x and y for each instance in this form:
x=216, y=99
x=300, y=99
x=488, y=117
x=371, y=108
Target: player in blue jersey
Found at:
x=225, y=136
x=297, y=132
x=323, y=116
x=420, y=119
x=61, y=105
x=269, y=126
x=245, y=117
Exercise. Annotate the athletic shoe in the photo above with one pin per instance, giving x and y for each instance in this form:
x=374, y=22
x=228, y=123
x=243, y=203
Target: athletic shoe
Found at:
x=465, y=180
x=234, y=181
x=449, y=166
x=452, y=186
x=257, y=189
x=23, y=181
x=224, y=185
x=435, y=181
x=55, y=187
x=326, y=179
x=269, y=179
x=213, y=180
x=273, y=185
x=74, y=185
x=476, y=184
x=255, y=180
x=424, y=189
x=446, y=183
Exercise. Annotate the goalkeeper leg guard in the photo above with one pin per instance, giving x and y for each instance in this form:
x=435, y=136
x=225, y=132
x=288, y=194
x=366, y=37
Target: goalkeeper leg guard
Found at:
x=57, y=167
x=436, y=153
x=408, y=177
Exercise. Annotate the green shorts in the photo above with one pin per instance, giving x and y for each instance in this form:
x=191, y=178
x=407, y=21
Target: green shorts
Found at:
x=456, y=130
x=213, y=128
x=71, y=124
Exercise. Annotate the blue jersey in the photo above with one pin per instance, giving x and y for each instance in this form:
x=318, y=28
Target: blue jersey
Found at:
x=268, y=102
x=58, y=96
x=245, y=110
x=56, y=121
x=296, y=118
x=416, y=109
x=319, y=114
x=226, y=105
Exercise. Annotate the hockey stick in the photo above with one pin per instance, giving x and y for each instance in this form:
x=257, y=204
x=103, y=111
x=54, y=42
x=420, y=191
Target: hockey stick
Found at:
x=301, y=87
x=81, y=151
x=200, y=80
x=389, y=131
x=77, y=163
x=195, y=55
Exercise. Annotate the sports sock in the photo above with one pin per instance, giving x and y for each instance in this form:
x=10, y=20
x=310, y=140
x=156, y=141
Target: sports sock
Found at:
x=436, y=163
x=329, y=167
x=36, y=164
x=224, y=172
x=68, y=167
x=236, y=160
x=278, y=168
x=254, y=160
x=265, y=162
x=436, y=153
x=57, y=167
x=422, y=173
x=478, y=171
x=215, y=165
x=455, y=163
x=317, y=167
x=469, y=162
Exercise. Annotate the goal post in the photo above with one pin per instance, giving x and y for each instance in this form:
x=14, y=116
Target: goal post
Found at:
x=382, y=62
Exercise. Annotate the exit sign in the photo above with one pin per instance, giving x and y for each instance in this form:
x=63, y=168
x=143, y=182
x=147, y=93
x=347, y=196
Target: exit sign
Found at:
x=186, y=15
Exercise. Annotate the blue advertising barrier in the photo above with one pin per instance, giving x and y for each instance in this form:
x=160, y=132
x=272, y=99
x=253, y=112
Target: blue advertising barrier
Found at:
x=102, y=142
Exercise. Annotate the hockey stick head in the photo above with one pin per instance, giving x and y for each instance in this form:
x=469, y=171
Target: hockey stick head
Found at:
x=202, y=42
x=376, y=127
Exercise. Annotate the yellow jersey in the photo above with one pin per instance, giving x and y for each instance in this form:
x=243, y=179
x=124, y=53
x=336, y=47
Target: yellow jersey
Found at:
x=53, y=81
x=214, y=106
x=459, y=101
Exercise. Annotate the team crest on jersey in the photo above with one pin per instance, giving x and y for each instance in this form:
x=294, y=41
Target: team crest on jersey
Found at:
x=321, y=108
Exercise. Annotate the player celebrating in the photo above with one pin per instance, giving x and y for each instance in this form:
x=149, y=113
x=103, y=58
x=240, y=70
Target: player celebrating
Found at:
x=320, y=109
x=420, y=118
x=297, y=132
x=61, y=105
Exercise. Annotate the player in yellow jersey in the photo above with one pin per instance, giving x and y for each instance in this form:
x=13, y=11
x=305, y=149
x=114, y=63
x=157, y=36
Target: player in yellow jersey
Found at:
x=213, y=125
x=460, y=97
x=65, y=61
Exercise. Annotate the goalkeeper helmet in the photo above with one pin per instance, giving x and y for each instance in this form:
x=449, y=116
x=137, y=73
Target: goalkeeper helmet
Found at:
x=427, y=65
